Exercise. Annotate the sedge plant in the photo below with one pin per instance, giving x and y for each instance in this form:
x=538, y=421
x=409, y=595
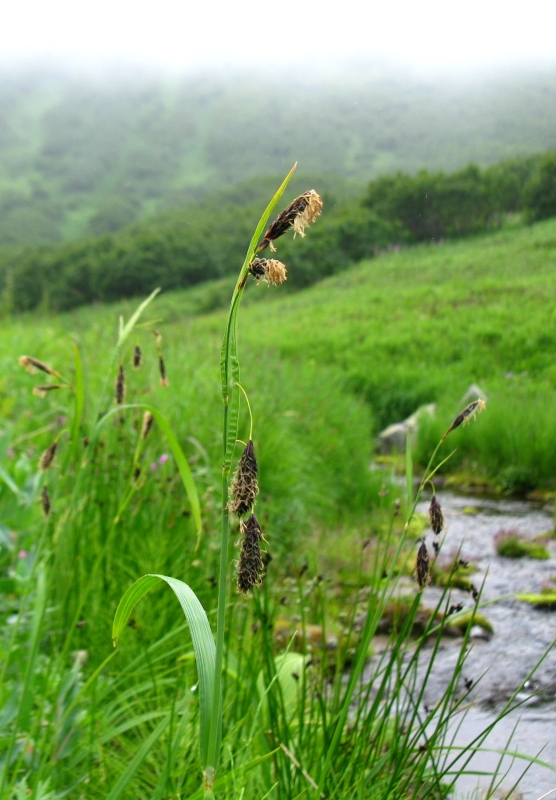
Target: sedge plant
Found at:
x=208, y=651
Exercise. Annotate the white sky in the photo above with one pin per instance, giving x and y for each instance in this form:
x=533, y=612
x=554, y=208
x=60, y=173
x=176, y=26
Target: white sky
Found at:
x=185, y=33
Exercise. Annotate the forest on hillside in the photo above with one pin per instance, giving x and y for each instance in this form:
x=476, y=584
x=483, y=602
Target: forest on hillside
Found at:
x=84, y=155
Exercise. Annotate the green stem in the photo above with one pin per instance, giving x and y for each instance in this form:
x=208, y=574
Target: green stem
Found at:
x=229, y=373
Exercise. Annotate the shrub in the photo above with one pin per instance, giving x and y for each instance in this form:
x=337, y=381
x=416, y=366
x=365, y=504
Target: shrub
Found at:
x=433, y=205
x=540, y=192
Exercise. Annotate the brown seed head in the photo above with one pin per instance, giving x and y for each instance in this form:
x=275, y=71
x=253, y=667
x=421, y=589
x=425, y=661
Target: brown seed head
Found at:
x=466, y=415
x=436, y=516
x=298, y=215
x=250, y=567
x=119, y=395
x=148, y=421
x=47, y=458
x=162, y=369
x=244, y=487
x=422, y=572
x=40, y=391
x=269, y=270
x=31, y=364
x=137, y=359
x=46, y=505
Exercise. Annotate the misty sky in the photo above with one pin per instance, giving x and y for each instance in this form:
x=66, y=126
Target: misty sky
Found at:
x=425, y=33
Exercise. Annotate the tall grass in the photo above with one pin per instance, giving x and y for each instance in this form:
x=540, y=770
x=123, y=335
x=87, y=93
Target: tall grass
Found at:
x=303, y=710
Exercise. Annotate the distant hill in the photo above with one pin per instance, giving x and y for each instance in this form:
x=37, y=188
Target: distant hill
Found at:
x=83, y=156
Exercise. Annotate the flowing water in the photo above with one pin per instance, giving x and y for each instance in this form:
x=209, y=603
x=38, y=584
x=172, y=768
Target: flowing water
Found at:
x=498, y=664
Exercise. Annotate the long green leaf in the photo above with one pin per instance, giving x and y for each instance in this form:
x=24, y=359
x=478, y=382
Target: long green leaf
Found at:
x=79, y=395
x=201, y=634
x=409, y=474
x=126, y=329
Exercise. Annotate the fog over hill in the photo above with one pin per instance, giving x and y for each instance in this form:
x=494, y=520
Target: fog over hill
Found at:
x=84, y=154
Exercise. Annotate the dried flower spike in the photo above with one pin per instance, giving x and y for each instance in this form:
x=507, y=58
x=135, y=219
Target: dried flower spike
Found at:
x=137, y=359
x=148, y=421
x=47, y=458
x=31, y=364
x=120, y=386
x=269, y=270
x=436, y=517
x=298, y=215
x=250, y=567
x=466, y=415
x=46, y=505
x=244, y=487
x=40, y=391
x=162, y=369
x=422, y=572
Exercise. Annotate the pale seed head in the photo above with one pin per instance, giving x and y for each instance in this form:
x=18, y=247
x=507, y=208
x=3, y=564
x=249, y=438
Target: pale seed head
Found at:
x=148, y=421
x=31, y=364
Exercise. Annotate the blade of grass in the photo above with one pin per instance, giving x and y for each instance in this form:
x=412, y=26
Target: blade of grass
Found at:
x=201, y=634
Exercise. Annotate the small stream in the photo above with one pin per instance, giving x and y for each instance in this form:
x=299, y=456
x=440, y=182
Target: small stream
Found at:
x=498, y=664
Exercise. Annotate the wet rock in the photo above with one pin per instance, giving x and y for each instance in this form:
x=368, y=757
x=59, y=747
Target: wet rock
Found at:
x=393, y=438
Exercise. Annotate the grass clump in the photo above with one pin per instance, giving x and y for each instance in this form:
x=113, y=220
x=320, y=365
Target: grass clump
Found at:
x=513, y=544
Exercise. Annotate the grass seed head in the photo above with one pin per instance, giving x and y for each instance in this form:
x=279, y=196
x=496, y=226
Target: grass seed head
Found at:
x=162, y=369
x=31, y=364
x=269, y=270
x=298, y=215
x=250, y=567
x=436, y=517
x=47, y=458
x=245, y=486
x=46, y=505
x=120, y=386
x=137, y=359
x=40, y=391
x=422, y=571
x=148, y=421
x=466, y=415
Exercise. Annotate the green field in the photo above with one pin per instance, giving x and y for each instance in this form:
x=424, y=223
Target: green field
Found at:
x=325, y=369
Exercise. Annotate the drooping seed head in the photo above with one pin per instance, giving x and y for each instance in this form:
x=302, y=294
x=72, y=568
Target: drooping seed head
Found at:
x=436, y=517
x=466, y=415
x=268, y=270
x=40, y=391
x=46, y=505
x=47, y=458
x=250, y=567
x=148, y=421
x=422, y=572
x=137, y=359
x=245, y=486
x=119, y=396
x=31, y=364
x=297, y=216
x=162, y=369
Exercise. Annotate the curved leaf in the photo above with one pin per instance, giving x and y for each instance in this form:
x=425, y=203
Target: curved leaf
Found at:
x=201, y=634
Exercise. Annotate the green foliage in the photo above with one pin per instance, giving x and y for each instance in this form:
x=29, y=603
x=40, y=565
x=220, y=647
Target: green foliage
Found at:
x=540, y=192
x=85, y=155
x=432, y=206
x=512, y=544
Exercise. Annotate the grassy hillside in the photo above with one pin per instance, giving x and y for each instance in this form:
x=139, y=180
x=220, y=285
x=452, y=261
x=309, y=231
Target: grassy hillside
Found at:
x=83, y=156
x=324, y=368
x=403, y=329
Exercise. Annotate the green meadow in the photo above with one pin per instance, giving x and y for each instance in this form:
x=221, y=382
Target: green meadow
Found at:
x=325, y=369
